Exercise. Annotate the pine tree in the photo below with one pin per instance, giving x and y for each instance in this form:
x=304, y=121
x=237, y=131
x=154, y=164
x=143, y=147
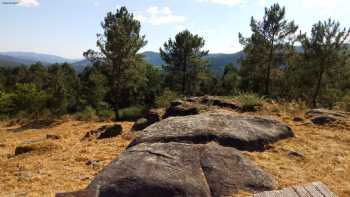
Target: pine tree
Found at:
x=118, y=45
x=184, y=61
x=266, y=49
x=325, y=54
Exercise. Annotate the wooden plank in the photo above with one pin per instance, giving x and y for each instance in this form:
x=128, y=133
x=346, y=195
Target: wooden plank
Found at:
x=323, y=189
x=262, y=194
x=289, y=192
x=313, y=191
x=316, y=189
x=301, y=191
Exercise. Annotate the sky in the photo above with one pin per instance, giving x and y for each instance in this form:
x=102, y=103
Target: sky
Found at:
x=68, y=27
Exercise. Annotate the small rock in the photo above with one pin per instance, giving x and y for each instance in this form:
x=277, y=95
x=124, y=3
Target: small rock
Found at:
x=104, y=132
x=176, y=103
x=324, y=116
x=94, y=163
x=322, y=120
x=184, y=109
x=296, y=154
x=2, y=145
x=34, y=146
x=298, y=119
x=223, y=103
x=140, y=124
x=51, y=136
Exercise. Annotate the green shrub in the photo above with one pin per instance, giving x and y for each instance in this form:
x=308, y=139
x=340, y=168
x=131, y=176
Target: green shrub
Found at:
x=344, y=104
x=131, y=113
x=87, y=114
x=106, y=114
x=250, y=101
x=165, y=99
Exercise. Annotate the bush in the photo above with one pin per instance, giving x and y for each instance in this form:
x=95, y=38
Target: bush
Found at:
x=250, y=101
x=164, y=100
x=131, y=113
x=106, y=114
x=87, y=114
x=344, y=104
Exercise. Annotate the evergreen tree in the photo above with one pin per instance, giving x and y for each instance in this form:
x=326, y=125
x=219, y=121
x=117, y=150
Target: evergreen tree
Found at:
x=325, y=55
x=118, y=45
x=184, y=61
x=230, y=80
x=266, y=49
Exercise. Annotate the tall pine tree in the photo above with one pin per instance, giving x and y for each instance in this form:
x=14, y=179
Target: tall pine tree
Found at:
x=184, y=61
x=118, y=45
x=266, y=49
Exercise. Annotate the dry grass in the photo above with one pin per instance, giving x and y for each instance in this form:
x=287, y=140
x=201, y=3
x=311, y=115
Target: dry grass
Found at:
x=326, y=153
x=62, y=168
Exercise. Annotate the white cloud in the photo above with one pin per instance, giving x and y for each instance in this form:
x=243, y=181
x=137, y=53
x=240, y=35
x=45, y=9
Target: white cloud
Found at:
x=28, y=3
x=224, y=2
x=160, y=16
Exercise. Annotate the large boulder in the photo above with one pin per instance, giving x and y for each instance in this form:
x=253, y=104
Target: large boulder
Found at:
x=324, y=116
x=242, y=132
x=178, y=170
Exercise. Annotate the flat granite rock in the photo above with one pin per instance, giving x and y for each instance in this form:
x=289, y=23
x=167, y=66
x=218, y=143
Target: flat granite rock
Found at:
x=239, y=131
x=178, y=170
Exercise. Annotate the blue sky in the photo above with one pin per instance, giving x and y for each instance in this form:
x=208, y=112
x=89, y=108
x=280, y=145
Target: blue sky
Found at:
x=68, y=27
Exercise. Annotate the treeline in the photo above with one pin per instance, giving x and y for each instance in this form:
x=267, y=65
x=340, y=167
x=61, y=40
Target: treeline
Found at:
x=279, y=63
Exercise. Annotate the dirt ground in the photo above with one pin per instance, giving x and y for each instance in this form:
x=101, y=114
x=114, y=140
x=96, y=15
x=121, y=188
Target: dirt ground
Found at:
x=315, y=154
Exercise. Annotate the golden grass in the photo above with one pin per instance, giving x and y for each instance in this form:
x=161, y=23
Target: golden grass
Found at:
x=63, y=169
x=60, y=170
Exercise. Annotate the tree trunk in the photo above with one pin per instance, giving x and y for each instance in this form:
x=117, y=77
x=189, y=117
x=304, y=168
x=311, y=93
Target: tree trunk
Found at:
x=267, y=82
x=184, y=80
x=317, y=90
x=268, y=72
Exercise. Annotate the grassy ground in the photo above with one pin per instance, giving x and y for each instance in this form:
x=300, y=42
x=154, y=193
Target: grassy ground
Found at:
x=62, y=167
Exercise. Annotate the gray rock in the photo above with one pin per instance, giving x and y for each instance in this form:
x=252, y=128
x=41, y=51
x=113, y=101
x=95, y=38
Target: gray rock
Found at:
x=181, y=109
x=104, y=132
x=323, y=120
x=140, y=124
x=242, y=132
x=324, y=116
x=209, y=100
x=150, y=118
x=179, y=170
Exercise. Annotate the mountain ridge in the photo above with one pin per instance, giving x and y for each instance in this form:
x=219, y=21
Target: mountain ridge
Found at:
x=217, y=61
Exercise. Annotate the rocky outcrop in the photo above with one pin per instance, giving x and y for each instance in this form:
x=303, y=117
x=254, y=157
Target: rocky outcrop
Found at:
x=179, y=170
x=324, y=116
x=241, y=132
x=191, y=156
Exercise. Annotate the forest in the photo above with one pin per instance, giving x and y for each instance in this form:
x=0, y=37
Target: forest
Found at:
x=280, y=63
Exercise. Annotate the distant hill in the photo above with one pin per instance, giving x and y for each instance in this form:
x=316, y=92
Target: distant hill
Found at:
x=217, y=61
x=37, y=57
x=15, y=59
x=8, y=61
